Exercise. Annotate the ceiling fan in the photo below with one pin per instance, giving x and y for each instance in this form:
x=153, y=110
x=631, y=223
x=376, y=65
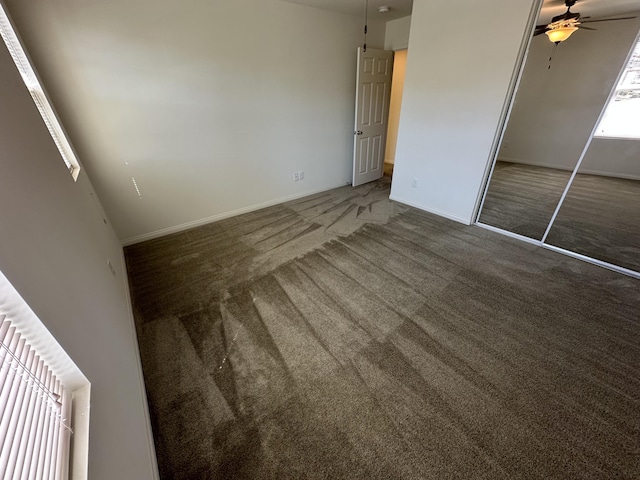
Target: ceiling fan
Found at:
x=562, y=26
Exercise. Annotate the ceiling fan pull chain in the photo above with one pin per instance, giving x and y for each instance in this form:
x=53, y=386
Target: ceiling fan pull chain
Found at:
x=366, y=21
x=553, y=52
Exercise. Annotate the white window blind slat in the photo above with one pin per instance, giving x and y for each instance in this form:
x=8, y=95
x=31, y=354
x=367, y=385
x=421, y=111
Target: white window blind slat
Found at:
x=13, y=382
x=6, y=408
x=4, y=328
x=39, y=429
x=8, y=404
x=47, y=440
x=11, y=339
x=54, y=425
x=49, y=471
x=19, y=416
x=33, y=431
x=24, y=441
x=64, y=439
x=44, y=440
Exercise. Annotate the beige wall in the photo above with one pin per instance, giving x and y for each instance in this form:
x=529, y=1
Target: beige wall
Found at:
x=397, y=86
x=397, y=34
x=455, y=92
x=210, y=105
x=54, y=248
x=555, y=110
x=616, y=157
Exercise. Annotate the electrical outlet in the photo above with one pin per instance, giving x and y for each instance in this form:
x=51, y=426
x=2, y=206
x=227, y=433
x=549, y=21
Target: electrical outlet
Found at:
x=414, y=184
x=296, y=176
x=301, y=174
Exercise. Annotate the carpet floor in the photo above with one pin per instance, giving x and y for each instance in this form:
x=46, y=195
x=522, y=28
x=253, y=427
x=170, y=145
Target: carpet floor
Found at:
x=345, y=336
x=600, y=216
x=522, y=198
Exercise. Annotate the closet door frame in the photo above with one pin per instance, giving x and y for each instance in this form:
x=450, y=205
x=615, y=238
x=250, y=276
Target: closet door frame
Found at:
x=542, y=243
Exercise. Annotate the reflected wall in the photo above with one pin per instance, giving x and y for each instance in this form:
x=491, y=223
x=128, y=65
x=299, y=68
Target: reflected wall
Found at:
x=553, y=115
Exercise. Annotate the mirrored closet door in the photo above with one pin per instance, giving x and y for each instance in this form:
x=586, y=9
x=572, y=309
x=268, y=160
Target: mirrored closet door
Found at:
x=551, y=181
x=600, y=215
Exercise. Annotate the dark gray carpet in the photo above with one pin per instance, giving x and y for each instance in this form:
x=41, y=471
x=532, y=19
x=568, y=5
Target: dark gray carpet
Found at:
x=344, y=336
x=522, y=198
x=600, y=218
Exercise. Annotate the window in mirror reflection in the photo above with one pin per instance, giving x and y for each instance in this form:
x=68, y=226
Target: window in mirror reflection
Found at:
x=620, y=119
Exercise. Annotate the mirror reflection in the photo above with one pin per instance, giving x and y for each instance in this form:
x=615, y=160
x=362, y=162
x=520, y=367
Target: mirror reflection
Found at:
x=600, y=216
x=561, y=94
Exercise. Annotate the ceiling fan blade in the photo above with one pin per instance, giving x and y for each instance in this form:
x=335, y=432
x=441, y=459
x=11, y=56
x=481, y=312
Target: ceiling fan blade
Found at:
x=607, y=19
x=586, y=28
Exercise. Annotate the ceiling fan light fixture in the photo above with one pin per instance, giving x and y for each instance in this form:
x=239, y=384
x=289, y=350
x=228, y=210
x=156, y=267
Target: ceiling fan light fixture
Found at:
x=557, y=35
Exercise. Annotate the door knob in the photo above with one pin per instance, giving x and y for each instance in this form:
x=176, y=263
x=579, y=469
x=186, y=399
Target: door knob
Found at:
x=358, y=132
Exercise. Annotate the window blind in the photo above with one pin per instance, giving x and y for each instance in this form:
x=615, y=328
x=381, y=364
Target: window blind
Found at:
x=34, y=408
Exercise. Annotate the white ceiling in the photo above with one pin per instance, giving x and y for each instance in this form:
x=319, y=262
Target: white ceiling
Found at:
x=397, y=8
x=402, y=8
x=590, y=8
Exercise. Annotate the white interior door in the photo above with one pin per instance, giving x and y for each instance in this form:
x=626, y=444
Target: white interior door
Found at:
x=373, y=86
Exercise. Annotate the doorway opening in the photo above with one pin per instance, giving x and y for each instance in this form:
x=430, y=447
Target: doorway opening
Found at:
x=397, y=87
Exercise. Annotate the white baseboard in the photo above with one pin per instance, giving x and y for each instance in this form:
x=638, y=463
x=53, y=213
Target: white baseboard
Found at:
x=607, y=174
x=535, y=163
x=441, y=213
x=151, y=451
x=221, y=216
x=558, y=167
